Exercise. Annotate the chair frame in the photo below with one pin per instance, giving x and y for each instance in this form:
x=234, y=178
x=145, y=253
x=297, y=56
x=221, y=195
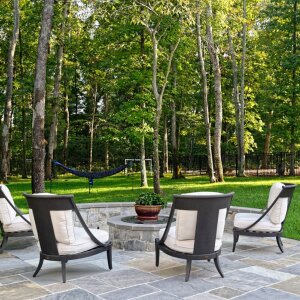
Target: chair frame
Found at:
x=287, y=192
x=46, y=235
x=207, y=208
x=6, y=235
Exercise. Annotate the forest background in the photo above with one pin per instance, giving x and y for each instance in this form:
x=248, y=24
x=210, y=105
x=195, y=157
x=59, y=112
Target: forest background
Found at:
x=90, y=83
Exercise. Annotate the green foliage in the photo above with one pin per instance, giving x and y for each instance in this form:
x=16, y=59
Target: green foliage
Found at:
x=151, y=198
x=107, y=45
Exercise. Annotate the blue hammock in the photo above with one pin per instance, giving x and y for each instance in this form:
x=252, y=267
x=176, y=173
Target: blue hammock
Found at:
x=92, y=175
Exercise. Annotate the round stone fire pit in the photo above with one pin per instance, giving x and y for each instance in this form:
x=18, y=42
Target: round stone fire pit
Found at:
x=129, y=233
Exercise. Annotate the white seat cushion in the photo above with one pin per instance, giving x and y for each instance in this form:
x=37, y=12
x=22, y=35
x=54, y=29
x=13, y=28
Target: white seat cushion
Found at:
x=243, y=220
x=186, y=220
x=185, y=246
x=278, y=211
x=18, y=224
x=7, y=213
x=63, y=226
x=82, y=241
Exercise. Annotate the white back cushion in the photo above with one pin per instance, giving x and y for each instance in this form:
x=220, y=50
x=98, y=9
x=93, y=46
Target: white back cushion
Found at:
x=7, y=213
x=63, y=226
x=278, y=211
x=62, y=222
x=186, y=220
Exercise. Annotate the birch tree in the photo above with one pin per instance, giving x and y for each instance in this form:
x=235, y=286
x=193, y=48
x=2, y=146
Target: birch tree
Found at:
x=38, y=105
x=241, y=137
x=218, y=93
x=152, y=19
x=205, y=98
x=9, y=94
x=52, y=142
x=158, y=94
x=92, y=127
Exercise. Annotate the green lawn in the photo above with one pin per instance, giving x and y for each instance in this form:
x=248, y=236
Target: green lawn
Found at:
x=249, y=191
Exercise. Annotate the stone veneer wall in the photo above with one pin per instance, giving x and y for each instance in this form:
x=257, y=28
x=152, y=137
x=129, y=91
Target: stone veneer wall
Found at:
x=97, y=214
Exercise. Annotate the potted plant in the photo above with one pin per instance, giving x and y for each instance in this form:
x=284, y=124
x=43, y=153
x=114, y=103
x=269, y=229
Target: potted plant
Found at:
x=148, y=206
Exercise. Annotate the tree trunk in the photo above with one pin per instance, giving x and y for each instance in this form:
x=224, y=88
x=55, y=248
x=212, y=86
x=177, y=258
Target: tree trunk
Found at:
x=294, y=92
x=106, y=149
x=144, y=180
x=9, y=90
x=52, y=142
x=174, y=129
x=92, y=129
x=24, y=136
x=236, y=102
x=218, y=96
x=166, y=148
x=175, y=167
x=38, y=119
x=67, y=125
x=267, y=140
x=210, y=163
x=241, y=144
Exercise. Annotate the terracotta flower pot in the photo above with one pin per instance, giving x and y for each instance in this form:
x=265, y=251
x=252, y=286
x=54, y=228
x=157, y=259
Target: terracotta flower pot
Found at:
x=147, y=212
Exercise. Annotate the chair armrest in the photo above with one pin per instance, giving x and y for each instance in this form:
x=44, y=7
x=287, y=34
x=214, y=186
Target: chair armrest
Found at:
x=170, y=220
x=264, y=213
x=87, y=230
x=17, y=210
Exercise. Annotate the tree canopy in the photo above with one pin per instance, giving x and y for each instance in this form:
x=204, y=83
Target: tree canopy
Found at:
x=129, y=69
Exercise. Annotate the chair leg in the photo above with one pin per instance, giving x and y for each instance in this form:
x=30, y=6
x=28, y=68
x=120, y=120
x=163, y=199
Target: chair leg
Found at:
x=235, y=240
x=216, y=260
x=63, y=270
x=156, y=255
x=188, y=269
x=39, y=266
x=279, y=243
x=109, y=257
x=3, y=243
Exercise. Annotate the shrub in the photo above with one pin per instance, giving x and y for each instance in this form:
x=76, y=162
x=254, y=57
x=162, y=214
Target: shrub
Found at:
x=151, y=198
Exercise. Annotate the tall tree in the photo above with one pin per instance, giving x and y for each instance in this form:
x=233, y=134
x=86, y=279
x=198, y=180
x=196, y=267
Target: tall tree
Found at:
x=174, y=128
x=218, y=93
x=210, y=163
x=38, y=105
x=158, y=94
x=241, y=137
x=294, y=87
x=144, y=180
x=67, y=124
x=52, y=141
x=92, y=126
x=9, y=94
x=152, y=20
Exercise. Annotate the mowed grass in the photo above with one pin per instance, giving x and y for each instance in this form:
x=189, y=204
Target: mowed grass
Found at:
x=249, y=191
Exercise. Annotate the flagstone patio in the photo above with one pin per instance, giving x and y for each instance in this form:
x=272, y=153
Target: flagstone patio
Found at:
x=257, y=270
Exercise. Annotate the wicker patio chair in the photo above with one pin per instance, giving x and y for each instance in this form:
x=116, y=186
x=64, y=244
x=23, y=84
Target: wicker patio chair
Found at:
x=270, y=222
x=59, y=240
x=200, y=223
x=13, y=223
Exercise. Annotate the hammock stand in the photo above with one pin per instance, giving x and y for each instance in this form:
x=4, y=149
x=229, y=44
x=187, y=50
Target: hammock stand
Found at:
x=91, y=175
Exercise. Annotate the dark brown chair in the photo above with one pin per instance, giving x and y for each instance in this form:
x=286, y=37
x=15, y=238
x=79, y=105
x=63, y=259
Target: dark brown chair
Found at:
x=200, y=223
x=270, y=222
x=59, y=240
x=13, y=223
